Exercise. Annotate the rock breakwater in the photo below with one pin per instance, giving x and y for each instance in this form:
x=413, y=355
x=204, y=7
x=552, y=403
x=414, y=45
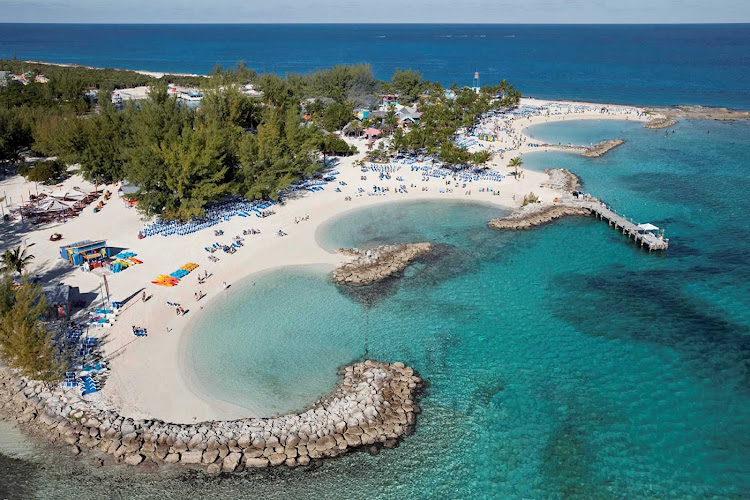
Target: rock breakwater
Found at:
x=601, y=148
x=536, y=215
x=660, y=123
x=370, y=266
x=373, y=406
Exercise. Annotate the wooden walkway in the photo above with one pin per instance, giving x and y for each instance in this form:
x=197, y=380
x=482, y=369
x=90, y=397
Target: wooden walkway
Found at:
x=645, y=239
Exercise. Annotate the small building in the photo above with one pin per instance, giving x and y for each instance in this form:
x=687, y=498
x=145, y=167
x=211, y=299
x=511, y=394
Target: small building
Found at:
x=41, y=79
x=361, y=114
x=250, y=91
x=389, y=99
x=5, y=77
x=127, y=192
x=372, y=133
x=408, y=116
x=82, y=251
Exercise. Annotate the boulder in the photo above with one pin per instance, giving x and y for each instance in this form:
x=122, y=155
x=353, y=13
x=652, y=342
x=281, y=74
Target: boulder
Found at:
x=352, y=440
x=210, y=456
x=134, y=459
x=277, y=459
x=257, y=462
x=231, y=462
x=191, y=457
x=172, y=458
x=214, y=468
x=253, y=453
x=196, y=442
x=325, y=443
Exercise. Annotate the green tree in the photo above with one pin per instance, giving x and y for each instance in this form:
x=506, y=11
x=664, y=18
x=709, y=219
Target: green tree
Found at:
x=25, y=342
x=515, y=163
x=45, y=171
x=15, y=260
x=336, y=116
x=408, y=84
x=14, y=137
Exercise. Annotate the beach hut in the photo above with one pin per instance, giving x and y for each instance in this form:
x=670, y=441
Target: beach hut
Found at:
x=372, y=133
x=127, y=192
x=389, y=99
x=81, y=251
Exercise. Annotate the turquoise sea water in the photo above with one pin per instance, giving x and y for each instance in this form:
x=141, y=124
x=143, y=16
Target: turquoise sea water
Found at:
x=564, y=362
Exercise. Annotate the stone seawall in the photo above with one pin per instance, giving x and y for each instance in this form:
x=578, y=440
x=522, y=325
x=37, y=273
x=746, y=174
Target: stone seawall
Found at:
x=602, y=148
x=374, y=405
x=535, y=215
x=376, y=264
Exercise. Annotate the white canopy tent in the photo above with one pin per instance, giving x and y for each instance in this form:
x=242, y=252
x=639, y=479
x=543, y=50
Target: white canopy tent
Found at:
x=647, y=227
x=68, y=194
x=52, y=205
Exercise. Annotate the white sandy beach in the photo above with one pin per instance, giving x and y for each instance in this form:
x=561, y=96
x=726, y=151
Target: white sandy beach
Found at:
x=145, y=377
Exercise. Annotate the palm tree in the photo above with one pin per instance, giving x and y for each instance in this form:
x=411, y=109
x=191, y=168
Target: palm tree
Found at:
x=15, y=260
x=516, y=162
x=357, y=127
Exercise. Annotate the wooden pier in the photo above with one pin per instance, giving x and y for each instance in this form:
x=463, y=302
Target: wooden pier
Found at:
x=643, y=238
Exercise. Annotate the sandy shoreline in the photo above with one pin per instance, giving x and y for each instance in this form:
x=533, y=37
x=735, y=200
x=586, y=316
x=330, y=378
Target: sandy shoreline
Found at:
x=146, y=377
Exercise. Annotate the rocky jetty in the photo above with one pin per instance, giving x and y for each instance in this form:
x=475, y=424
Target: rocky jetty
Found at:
x=370, y=266
x=594, y=151
x=701, y=112
x=535, y=215
x=660, y=123
x=373, y=406
x=601, y=148
x=562, y=179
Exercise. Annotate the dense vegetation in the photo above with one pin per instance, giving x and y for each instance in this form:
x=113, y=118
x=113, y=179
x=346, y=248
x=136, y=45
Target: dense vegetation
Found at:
x=26, y=343
x=182, y=159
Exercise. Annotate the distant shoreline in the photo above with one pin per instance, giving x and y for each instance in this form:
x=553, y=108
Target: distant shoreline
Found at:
x=690, y=111
x=155, y=74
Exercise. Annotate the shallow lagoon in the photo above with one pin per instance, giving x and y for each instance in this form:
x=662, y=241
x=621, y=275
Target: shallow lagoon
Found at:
x=563, y=362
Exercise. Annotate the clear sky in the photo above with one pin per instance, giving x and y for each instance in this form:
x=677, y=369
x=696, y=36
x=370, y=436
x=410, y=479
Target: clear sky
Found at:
x=382, y=11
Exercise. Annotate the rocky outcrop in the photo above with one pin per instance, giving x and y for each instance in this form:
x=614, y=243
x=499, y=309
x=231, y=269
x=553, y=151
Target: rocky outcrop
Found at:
x=535, y=215
x=660, y=123
x=562, y=179
x=601, y=148
x=700, y=112
x=370, y=266
x=374, y=405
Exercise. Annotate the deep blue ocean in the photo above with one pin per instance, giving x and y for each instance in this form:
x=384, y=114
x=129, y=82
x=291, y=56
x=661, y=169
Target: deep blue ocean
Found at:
x=628, y=64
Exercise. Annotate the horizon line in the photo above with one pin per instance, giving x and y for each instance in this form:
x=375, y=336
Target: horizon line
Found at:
x=465, y=23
